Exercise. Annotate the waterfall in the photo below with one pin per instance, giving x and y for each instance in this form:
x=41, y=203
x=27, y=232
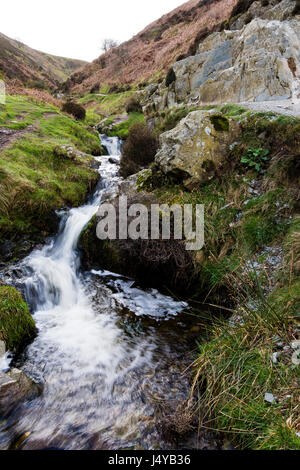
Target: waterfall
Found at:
x=92, y=369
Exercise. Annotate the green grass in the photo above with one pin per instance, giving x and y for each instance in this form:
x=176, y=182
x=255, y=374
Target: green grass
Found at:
x=23, y=110
x=35, y=178
x=122, y=130
x=99, y=107
x=17, y=326
x=236, y=368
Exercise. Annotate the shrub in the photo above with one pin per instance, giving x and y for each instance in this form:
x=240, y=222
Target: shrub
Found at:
x=95, y=88
x=171, y=77
x=139, y=150
x=74, y=109
x=241, y=7
x=37, y=84
x=133, y=105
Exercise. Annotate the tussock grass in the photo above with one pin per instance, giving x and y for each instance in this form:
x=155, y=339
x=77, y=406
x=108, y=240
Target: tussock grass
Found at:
x=234, y=371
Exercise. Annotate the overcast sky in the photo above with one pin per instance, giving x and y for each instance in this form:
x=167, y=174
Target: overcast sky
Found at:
x=76, y=28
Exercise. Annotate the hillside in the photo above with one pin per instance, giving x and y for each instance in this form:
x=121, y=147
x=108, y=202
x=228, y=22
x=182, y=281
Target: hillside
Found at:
x=150, y=53
x=34, y=68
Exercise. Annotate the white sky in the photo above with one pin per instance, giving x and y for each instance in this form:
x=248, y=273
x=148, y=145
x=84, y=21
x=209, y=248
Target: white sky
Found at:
x=75, y=29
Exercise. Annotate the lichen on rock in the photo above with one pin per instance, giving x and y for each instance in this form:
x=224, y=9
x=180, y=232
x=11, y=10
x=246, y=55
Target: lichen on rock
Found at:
x=195, y=150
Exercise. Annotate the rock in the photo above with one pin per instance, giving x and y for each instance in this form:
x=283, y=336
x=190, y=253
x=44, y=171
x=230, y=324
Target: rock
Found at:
x=269, y=398
x=282, y=11
x=15, y=386
x=260, y=62
x=2, y=348
x=67, y=151
x=128, y=187
x=195, y=150
x=296, y=357
x=274, y=357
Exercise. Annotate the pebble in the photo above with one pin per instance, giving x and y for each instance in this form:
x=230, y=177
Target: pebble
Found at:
x=269, y=398
x=274, y=357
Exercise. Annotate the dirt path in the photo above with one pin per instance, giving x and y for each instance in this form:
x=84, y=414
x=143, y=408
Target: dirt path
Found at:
x=8, y=136
x=287, y=107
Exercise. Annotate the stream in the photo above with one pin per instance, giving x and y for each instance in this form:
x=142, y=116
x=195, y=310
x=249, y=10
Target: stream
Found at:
x=109, y=354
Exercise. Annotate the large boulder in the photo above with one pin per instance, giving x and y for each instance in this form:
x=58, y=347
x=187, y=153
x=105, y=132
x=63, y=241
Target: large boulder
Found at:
x=195, y=150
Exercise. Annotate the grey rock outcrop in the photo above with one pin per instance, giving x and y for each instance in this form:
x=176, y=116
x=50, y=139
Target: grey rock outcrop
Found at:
x=260, y=62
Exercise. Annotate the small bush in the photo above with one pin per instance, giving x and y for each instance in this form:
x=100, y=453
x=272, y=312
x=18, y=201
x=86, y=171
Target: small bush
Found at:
x=133, y=105
x=37, y=84
x=139, y=150
x=171, y=77
x=241, y=7
x=74, y=109
x=95, y=88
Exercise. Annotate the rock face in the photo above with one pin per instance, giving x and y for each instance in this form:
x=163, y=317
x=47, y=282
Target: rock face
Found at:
x=196, y=148
x=15, y=386
x=260, y=62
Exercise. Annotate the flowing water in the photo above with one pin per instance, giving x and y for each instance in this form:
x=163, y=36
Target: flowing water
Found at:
x=107, y=351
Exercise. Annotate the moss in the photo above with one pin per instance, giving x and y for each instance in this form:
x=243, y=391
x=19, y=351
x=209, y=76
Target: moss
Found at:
x=144, y=180
x=99, y=253
x=17, y=326
x=232, y=110
x=220, y=123
x=168, y=120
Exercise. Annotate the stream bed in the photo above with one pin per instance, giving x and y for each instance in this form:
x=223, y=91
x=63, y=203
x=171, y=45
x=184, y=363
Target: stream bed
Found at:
x=109, y=354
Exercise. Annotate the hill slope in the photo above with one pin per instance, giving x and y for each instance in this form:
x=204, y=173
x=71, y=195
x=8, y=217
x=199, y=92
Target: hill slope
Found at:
x=151, y=52
x=28, y=66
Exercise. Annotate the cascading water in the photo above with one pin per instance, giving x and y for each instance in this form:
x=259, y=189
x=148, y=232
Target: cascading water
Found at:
x=104, y=348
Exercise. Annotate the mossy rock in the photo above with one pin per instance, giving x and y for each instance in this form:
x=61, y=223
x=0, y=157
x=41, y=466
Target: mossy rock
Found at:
x=17, y=327
x=220, y=123
x=96, y=252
